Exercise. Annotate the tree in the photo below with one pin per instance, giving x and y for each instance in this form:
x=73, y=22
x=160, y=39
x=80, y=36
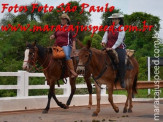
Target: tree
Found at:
x=83, y=19
x=7, y=19
x=35, y=15
x=96, y=40
x=106, y=20
x=142, y=42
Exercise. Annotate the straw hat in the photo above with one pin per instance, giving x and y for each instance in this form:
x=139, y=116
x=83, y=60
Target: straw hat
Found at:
x=116, y=15
x=65, y=16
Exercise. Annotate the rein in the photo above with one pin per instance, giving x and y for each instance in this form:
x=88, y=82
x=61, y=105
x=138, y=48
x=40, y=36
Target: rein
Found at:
x=102, y=71
x=89, y=59
x=34, y=63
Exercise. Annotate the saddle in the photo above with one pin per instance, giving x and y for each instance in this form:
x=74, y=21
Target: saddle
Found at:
x=129, y=54
x=114, y=59
x=58, y=52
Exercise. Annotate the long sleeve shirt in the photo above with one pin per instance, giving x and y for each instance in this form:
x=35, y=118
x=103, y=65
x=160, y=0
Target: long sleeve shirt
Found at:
x=120, y=39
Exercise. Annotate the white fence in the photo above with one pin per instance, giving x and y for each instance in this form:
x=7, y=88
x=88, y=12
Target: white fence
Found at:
x=25, y=102
x=23, y=86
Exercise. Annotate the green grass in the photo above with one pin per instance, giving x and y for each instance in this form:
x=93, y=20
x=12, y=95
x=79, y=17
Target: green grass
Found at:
x=142, y=93
x=39, y=92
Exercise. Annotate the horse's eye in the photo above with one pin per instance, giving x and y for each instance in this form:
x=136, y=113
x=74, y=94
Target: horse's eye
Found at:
x=30, y=53
x=86, y=55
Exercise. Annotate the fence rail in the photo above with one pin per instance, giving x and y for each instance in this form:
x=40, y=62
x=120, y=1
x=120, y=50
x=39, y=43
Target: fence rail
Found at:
x=23, y=86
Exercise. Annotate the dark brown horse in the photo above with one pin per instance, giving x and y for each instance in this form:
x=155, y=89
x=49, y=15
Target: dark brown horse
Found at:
x=100, y=67
x=53, y=71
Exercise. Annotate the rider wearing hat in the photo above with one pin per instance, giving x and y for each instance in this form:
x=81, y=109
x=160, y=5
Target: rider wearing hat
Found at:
x=66, y=40
x=115, y=40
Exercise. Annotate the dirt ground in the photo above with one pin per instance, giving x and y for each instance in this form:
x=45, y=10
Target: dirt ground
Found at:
x=142, y=112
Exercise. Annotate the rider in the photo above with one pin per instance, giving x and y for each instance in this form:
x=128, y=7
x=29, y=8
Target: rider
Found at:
x=65, y=40
x=115, y=40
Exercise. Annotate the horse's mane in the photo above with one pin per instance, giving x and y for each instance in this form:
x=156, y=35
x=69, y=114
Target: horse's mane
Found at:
x=111, y=53
x=98, y=52
x=41, y=50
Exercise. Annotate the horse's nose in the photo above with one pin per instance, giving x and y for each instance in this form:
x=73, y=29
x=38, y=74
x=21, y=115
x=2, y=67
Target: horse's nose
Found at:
x=80, y=70
x=24, y=67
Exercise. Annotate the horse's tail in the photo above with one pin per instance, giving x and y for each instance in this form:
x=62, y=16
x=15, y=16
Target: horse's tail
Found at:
x=134, y=87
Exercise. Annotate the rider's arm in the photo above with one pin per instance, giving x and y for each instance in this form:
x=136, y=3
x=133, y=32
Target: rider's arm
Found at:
x=74, y=45
x=52, y=36
x=72, y=33
x=105, y=38
x=119, y=41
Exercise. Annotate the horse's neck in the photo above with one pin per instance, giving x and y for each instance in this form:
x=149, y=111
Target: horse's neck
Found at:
x=97, y=62
x=44, y=59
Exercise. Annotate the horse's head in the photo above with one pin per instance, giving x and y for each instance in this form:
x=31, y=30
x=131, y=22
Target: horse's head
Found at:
x=31, y=56
x=85, y=55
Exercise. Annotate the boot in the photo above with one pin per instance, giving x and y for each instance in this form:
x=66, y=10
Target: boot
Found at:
x=71, y=68
x=122, y=83
x=121, y=75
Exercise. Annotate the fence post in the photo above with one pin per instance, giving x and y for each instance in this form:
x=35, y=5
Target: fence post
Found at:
x=149, y=74
x=103, y=91
x=67, y=90
x=26, y=83
x=20, y=83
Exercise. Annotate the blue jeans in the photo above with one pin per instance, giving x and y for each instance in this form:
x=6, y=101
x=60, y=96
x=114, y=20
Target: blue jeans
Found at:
x=67, y=51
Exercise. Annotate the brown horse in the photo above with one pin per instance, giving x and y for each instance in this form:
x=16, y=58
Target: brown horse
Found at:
x=53, y=71
x=100, y=67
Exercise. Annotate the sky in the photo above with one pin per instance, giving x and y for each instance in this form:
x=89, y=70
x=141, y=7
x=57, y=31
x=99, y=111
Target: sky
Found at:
x=127, y=7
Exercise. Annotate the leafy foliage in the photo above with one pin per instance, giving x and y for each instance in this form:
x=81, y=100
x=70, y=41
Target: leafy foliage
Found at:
x=12, y=44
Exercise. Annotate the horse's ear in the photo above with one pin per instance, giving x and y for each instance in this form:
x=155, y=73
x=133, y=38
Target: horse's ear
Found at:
x=79, y=43
x=27, y=43
x=50, y=50
x=89, y=44
x=34, y=43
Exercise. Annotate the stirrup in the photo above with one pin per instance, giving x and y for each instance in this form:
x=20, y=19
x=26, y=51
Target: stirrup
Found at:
x=123, y=85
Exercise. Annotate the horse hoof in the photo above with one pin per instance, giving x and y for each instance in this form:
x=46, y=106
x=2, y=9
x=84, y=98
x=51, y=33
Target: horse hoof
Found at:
x=124, y=110
x=89, y=107
x=129, y=110
x=65, y=106
x=117, y=110
x=45, y=111
x=62, y=105
x=94, y=114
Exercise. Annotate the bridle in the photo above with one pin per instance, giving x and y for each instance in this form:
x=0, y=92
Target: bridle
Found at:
x=102, y=71
x=34, y=61
x=88, y=61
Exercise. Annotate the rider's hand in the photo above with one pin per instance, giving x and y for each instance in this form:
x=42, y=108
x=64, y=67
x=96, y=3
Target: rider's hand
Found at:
x=103, y=44
x=52, y=37
x=74, y=51
x=109, y=49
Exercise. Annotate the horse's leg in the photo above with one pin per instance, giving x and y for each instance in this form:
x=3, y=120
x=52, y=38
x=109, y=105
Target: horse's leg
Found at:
x=73, y=89
x=89, y=86
x=126, y=104
x=127, y=100
x=56, y=100
x=110, y=93
x=130, y=97
x=98, y=98
x=49, y=98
